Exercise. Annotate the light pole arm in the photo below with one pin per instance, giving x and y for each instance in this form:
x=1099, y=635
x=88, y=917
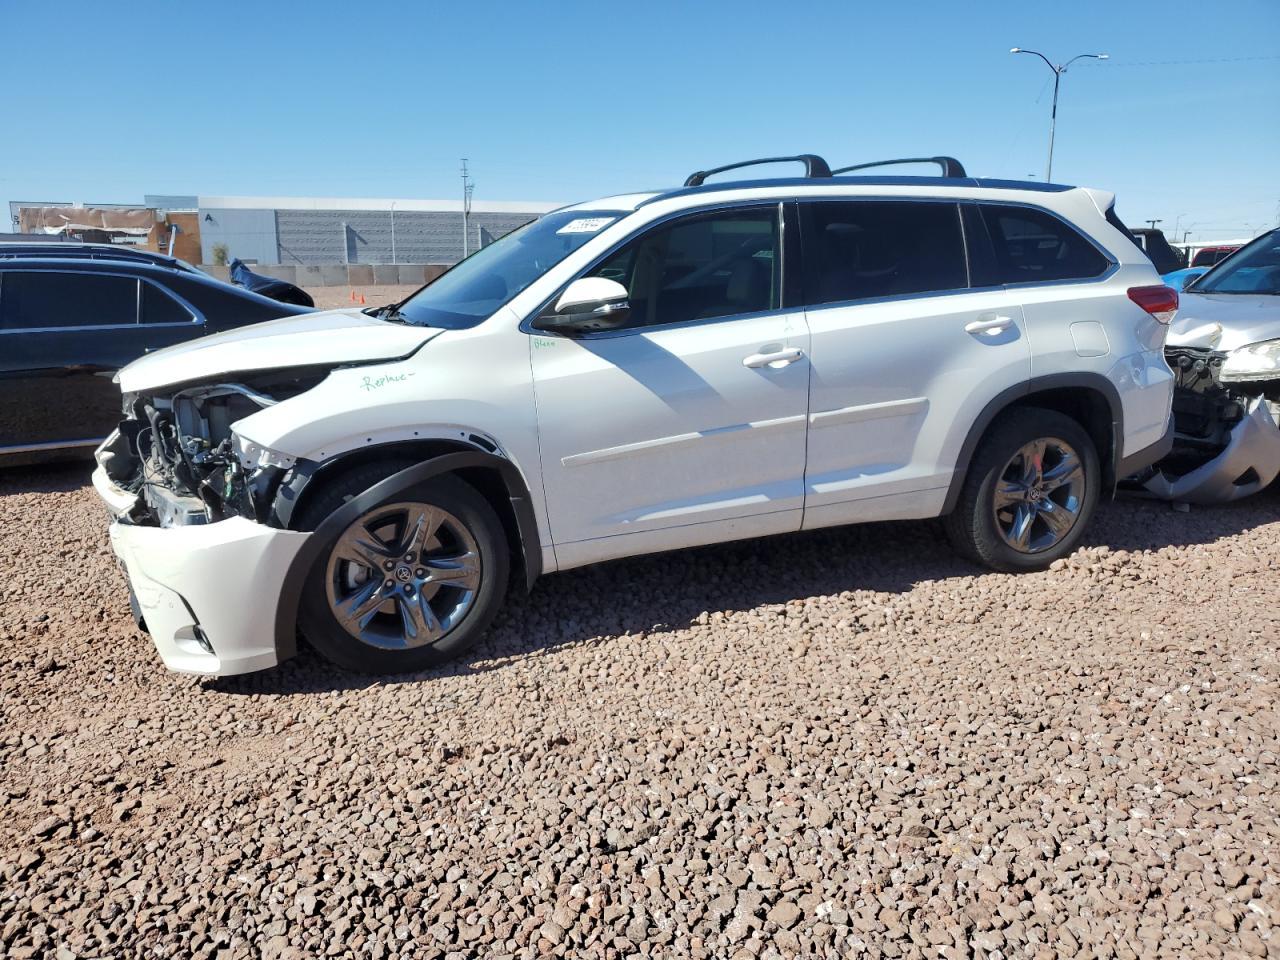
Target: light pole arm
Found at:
x=1047, y=62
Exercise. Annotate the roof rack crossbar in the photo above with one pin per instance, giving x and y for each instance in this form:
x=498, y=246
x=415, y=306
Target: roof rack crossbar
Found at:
x=814, y=166
x=950, y=166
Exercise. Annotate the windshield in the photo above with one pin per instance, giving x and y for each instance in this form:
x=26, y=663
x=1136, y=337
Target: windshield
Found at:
x=1252, y=269
x=490, y=277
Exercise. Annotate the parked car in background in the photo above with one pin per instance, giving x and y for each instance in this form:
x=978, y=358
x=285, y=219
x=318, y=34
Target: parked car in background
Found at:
x=1211, y=256
x=1154, y=244
x=1224, y=349
x=69, y=322
x=641, y=373
x=1181, y=279
x=269, y=287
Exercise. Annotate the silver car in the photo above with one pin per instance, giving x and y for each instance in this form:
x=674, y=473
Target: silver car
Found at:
x=1224, y=348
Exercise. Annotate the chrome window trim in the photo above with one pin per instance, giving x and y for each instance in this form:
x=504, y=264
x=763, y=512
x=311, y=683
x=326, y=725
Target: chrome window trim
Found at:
x=197, y=318
x=526, y=324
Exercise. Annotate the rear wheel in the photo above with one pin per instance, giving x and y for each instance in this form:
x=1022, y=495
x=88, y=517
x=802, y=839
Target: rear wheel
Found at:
x=1031, y=491
x=410, y=582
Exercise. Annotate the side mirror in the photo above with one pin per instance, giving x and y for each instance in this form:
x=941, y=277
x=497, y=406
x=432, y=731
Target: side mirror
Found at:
x=587, y=304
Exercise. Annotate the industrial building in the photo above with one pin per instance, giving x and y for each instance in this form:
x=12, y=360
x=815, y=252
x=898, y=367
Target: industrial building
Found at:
x=294, y=231
x=297, y=230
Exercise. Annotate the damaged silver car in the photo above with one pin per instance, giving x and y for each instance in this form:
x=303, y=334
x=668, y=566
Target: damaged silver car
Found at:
x=1224, y=349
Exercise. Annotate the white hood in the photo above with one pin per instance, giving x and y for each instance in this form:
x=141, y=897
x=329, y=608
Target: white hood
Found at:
x=332, y=337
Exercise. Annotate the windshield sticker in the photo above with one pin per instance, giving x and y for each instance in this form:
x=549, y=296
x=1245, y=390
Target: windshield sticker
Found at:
x=586, y=225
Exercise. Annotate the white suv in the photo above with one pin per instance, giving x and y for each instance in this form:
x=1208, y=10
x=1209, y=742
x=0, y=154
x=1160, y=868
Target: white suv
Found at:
x=641, y=373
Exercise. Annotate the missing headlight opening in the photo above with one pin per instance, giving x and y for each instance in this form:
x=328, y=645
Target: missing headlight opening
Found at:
x=177, y=451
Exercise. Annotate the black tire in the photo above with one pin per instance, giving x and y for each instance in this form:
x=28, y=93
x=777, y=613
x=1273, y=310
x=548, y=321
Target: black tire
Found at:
x=974, y=528
x=457, y=498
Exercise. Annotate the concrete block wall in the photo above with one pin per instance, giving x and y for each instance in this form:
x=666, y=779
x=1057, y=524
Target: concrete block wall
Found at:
x=364, y=236
x=340, y=274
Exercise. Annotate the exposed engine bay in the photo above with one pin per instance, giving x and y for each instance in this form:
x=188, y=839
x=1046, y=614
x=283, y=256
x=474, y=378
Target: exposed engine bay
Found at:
x=1226, y=439
x=178, y=452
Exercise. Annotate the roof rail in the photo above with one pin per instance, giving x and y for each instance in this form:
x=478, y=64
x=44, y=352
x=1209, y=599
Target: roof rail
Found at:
x=814, y=166
x=950, y=166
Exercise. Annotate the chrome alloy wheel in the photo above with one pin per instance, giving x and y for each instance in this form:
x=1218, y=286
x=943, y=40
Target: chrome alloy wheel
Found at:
x=403, y=575
x=1039, y=494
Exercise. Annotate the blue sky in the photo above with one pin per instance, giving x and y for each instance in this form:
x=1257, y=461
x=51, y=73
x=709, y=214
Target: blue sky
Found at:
x=569, y=101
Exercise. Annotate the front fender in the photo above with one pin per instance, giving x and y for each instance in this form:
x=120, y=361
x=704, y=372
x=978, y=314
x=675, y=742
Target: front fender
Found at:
x=388, y=489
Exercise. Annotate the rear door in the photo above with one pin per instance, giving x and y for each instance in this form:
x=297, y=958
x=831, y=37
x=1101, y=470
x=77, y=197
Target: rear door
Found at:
x=905, y=354
x=63, y=335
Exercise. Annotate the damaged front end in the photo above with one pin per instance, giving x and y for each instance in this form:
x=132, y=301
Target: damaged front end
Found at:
x=1226, y=408
x=177, y=453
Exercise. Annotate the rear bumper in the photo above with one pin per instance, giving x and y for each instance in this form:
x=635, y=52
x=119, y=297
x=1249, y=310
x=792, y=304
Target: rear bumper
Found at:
x=1141, y=459
x=210, y=594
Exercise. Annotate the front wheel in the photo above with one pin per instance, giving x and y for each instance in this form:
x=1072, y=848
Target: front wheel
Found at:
x=408, y=584
x=1031, y=489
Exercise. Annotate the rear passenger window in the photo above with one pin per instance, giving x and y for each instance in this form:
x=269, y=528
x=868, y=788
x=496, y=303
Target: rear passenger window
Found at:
x=1032, y=246
x=159, y=307
x=861, y=249
x=34, y=300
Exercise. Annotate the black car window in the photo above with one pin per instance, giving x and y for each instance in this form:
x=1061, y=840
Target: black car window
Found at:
x=159, y=307
x=1032, y=246
x=713, y=265
x=39, y=299
x=863, y=249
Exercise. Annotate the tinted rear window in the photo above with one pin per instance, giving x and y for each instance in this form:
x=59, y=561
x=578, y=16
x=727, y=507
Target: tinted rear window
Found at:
x=47, y=299
x=1032, y=246
x=863, y=249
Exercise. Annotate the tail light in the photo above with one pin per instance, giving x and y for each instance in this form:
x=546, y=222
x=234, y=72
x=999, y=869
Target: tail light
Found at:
x=1159, y=301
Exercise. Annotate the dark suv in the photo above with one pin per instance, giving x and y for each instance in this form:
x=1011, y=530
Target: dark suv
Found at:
x=68, y=323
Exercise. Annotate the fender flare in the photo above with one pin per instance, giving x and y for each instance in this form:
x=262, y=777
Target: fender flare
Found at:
x=295, y=577
x=1008, y=398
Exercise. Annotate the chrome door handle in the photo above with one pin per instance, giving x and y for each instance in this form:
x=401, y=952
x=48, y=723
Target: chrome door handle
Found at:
x=989, y=323
x=775, y=359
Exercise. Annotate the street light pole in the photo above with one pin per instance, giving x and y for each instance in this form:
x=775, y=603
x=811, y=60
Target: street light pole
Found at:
x=468, y=185
x=1058, y=70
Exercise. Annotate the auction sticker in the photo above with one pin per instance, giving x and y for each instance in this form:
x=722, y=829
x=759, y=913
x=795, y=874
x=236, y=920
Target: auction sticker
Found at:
x=586, y=225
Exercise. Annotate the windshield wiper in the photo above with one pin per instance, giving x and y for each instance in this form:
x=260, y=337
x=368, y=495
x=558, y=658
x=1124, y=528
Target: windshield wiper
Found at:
x=391, y=313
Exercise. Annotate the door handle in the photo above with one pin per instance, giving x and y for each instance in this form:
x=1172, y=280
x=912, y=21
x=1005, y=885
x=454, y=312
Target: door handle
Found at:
x=775, y=359
x=989, y=323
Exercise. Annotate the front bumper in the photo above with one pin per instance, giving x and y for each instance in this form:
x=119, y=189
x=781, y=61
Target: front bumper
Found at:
x=210, y=594
x=1248, y=463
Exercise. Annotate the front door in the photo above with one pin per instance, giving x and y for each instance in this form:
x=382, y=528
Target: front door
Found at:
x=688, y=425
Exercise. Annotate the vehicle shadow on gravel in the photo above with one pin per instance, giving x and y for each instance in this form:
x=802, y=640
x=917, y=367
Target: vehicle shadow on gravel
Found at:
x=58, y=477
x=673, y=591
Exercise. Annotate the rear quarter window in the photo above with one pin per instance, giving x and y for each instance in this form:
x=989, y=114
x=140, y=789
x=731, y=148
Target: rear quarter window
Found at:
x=158, y=306
x=1033, y=246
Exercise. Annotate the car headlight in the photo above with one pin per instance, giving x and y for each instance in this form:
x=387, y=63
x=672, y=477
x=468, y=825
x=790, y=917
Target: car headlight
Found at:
x=1255, y=361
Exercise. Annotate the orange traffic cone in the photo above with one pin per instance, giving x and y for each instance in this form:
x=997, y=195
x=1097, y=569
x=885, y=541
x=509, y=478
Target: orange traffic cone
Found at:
x=353, y=296
x=362, y=299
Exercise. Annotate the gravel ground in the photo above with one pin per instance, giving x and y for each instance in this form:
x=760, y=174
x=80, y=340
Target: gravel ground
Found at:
x=821, y=745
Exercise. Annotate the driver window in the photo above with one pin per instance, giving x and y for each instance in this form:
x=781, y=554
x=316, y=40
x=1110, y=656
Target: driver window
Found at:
x=717, y=265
